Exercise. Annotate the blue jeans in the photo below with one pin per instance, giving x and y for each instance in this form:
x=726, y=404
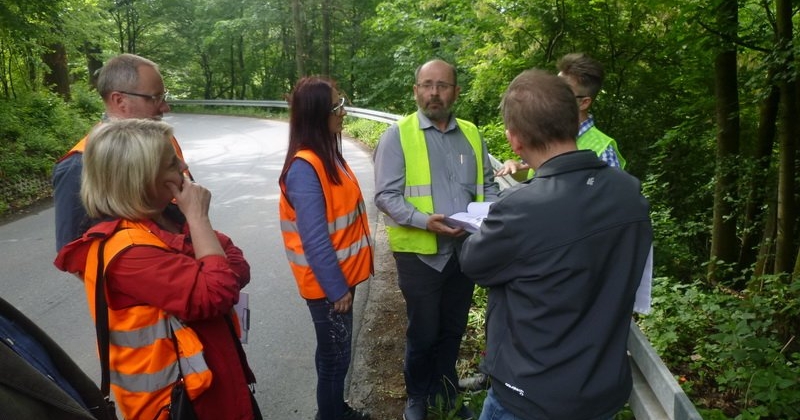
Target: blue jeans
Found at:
x=493, y=410
x=437, y=305
x=334, y=334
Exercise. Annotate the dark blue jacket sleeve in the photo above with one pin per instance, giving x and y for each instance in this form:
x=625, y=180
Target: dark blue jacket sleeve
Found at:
x=70, y=214
x=305, y=195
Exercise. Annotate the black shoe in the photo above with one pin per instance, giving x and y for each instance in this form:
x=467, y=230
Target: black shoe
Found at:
x=350, y=414
x=416, y=409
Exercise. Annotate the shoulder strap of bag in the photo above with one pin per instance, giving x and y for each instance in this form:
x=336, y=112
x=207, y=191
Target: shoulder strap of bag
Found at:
x=177, y=353
x=101, y=323
x=247, y=372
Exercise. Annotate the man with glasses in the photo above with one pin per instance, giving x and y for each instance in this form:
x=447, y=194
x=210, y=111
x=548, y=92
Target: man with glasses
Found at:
x=131, y=87
x=427, y=166
x=585, y=76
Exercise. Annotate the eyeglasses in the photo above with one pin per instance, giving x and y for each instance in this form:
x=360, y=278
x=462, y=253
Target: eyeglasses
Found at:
x=438, y=85
x=339, y=108
x=157, y=99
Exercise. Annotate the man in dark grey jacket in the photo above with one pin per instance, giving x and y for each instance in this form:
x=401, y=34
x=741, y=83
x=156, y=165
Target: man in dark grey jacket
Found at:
x=39, y=380
x=562, y=255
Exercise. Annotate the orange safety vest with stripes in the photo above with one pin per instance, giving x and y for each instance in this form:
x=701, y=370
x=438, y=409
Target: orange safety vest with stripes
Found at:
x=348, y=228
x=142, y=360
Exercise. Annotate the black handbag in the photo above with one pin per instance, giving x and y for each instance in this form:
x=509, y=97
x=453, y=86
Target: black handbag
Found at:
x=180, y=405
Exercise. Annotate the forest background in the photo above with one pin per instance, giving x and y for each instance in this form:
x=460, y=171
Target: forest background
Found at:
x=701, y=96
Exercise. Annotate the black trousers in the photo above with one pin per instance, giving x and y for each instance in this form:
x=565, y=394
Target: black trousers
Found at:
x=437, y=304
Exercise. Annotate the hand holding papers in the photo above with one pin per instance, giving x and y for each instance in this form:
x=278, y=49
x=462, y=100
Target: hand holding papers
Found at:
x=471, y=219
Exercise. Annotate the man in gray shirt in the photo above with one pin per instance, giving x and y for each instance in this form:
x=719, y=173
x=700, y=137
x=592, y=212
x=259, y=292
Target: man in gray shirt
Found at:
x=427, y=166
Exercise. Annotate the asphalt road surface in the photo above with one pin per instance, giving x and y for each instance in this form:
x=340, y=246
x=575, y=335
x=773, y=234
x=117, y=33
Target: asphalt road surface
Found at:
x=238, y=160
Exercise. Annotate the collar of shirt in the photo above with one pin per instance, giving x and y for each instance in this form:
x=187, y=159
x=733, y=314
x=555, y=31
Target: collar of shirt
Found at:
x=426, y=123
x=177, y=241
x=586, y=125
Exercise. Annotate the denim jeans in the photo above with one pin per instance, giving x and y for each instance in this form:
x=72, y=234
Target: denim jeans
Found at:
x=332, y=358
x=437, y=304
x=493, y=410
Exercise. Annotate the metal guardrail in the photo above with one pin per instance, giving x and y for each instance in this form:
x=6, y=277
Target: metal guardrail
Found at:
x=656, y=394
x=352, y=111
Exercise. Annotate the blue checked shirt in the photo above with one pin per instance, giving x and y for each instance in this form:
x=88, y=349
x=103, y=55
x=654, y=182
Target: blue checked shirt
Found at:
x=609, y=156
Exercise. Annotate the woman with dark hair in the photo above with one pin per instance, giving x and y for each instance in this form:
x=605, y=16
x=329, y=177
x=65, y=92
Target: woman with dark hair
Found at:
x=326, y=233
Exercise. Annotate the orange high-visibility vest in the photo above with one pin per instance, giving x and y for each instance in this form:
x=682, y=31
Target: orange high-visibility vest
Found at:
x=81, y=146
x=142, y=360
x=347, y=225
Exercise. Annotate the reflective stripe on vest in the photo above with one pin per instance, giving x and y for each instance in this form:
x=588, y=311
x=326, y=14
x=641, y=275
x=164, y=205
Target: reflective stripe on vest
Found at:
x=340, y=223
x=418, y=189
x=348, y=228
x=142, y=359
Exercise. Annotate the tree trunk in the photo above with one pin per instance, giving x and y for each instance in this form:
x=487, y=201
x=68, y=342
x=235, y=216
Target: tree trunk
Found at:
x=57, y=76
x=765, y=251
x=756, y=191
x=299, y=37
x=208, y=76
x=93, y=62
x=244, y=79
x=787, y=132
x=326, y=37
x=723, y=236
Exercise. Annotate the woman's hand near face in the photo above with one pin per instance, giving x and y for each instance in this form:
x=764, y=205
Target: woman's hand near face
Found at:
x=194, y=200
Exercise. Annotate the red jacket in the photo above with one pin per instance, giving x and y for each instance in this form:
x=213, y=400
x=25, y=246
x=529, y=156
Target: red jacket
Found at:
x=199, y=292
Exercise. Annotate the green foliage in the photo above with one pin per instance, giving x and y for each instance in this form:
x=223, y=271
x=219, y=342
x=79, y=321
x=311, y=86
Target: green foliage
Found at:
x=241, y=111
x=35, y=130
x=731, y=347
x=472, y=399
x=368, y=132
x=495, y=137
x=86, y=102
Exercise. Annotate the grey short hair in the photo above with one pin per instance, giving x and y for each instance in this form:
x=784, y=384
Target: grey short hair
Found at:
x=121, y=73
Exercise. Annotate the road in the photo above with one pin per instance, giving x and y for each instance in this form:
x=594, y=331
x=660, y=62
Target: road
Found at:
x=238, y=160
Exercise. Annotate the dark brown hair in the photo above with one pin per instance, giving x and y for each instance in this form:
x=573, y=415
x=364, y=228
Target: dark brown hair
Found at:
x=586, y=71
x=540, y=108
x=309, y=112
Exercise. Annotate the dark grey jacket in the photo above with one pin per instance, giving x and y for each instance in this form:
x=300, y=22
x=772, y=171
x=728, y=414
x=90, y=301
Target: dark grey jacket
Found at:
x=562, y=255
x=27, y=394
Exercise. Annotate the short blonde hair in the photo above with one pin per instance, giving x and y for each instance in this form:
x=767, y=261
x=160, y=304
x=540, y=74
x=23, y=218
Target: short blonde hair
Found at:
x=121, y=162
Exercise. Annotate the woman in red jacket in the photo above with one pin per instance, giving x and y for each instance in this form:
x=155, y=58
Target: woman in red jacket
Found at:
x=170, y=279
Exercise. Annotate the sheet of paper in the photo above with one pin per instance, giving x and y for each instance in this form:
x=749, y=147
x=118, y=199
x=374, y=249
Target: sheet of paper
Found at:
x=242, y=309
